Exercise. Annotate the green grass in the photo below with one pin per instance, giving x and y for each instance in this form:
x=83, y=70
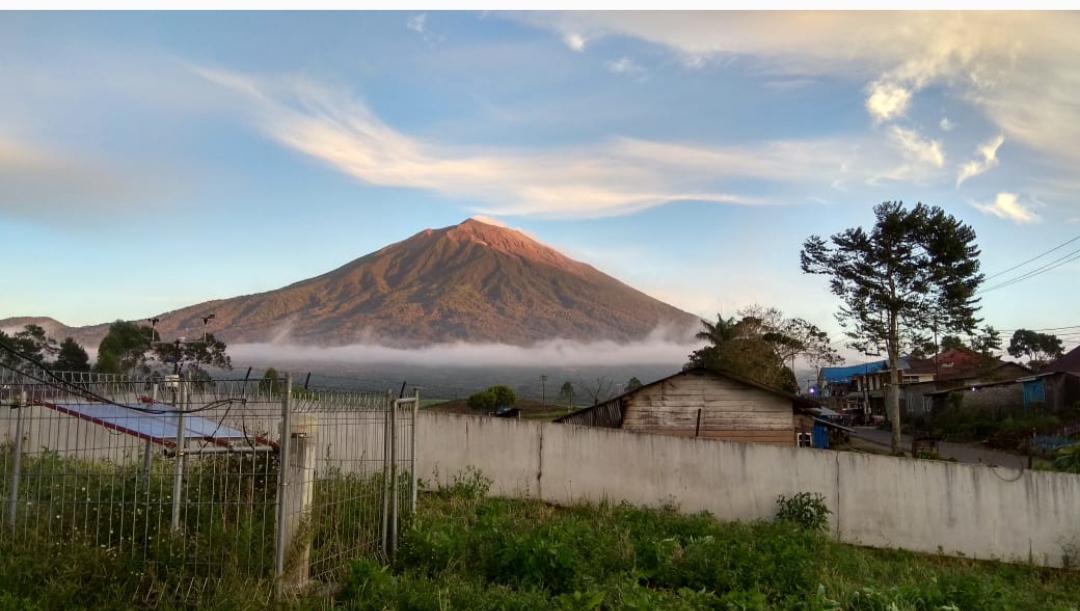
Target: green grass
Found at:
x=464, y=550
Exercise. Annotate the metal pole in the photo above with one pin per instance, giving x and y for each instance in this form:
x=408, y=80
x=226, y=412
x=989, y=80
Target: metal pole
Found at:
x=149, y=444
x=16, y=464
x=394, y=500
x=283, y=453
x=384, y=530
x=178, y=467
x=412, y=453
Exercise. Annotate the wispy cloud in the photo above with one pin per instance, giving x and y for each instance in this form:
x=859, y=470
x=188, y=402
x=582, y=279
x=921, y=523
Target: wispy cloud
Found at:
x=1008, y=206
x=1009, y=64
x=946, y=125
x=921, y=156
x=988, y=153
x=46, y=185
x=618, y=176
x=417, y=22
x=627, y=67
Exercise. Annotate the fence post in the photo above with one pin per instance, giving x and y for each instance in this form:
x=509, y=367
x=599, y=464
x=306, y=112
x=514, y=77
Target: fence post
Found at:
x=298, y=464
x=282, y=483
x=384, y=516
x=16, y=463
x=396, y=489
x=149, y=444
x=178, y=467
x=412, y=452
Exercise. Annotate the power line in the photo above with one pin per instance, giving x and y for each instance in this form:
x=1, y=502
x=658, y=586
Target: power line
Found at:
x=1032, y=259
x=1077, y=327
x=1056, y=263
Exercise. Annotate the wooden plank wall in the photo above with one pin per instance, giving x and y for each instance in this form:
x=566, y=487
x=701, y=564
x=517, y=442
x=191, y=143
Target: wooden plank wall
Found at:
x=728, y=410
x=606, y=415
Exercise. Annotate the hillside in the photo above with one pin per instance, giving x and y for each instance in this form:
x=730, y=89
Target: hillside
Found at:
x=473, y=282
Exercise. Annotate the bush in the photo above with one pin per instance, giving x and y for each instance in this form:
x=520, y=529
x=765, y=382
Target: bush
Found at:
x=504, y=395
x=493, y=398
x=805, y=510
x=482, y=401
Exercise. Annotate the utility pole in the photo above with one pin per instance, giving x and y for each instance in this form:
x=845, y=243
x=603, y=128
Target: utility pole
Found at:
x=543, y=389
x=205, y=321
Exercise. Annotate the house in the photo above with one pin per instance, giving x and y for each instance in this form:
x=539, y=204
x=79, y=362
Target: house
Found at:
x=921, y=380
x=1055, y=388
x=701, y=403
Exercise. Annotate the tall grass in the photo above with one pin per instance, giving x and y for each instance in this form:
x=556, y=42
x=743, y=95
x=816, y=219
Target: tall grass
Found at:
x=466, y=551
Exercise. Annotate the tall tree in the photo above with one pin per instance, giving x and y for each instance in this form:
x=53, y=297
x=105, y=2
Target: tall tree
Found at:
x=987, y=342
x=31, y=342
x=1038, y=348
x=193, y=356
x=789, y=337
x=566, y=393
x=760, y=345
x=124, y=347
x=740, y=349
x=915, y=270
x=271, y=382
x=951, y=342
x=71, y=357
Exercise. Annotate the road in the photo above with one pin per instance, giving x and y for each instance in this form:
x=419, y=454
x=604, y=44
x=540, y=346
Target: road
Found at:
x=962, y=452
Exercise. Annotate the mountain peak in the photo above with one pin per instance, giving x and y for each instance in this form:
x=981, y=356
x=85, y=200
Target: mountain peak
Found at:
x=477, y=281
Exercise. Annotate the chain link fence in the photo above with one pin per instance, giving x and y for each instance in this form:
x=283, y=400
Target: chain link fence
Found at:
x=210, y=480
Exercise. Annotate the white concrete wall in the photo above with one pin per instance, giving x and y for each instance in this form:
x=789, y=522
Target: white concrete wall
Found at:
x=970, y=510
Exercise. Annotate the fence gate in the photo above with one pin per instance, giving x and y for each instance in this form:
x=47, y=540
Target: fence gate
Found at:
x=194, y=481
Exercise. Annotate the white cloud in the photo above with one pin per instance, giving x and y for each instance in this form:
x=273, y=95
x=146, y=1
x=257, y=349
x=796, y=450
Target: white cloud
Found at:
x=922, y=157
x=1008, y=206
x=887, y=101
x=946, y=125
x=1014, y=66
x=625, y=66
x=487, y=220
x=608, y=178
x=1075, y=219
x=988, y=152
x=661, y=347
x=576, y=42
x=416, y=23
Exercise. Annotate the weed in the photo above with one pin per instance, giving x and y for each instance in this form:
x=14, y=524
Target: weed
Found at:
x=805, y=510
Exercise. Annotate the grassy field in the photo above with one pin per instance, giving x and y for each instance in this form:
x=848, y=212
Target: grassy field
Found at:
x=464, y=550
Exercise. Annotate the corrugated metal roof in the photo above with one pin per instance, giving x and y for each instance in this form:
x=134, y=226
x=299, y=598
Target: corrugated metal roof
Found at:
x=839, y=375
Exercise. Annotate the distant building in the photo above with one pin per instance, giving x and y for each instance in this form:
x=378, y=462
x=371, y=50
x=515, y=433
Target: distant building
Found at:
x=864, y=386
x=701, y=403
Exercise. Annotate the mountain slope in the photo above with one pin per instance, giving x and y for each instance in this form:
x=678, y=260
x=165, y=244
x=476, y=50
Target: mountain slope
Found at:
x=471, y=282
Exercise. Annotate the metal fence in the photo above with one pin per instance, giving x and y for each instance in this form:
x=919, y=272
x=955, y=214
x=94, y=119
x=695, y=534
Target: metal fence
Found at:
x=205, y=479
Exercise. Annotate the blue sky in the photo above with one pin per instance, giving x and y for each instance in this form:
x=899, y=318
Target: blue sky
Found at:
x=149, y=161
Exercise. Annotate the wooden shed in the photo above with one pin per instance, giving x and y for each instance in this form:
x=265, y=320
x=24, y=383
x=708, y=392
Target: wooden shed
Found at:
x=701, y=403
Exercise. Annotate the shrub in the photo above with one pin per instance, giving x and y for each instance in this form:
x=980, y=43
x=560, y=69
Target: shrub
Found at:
x=504, y=395
x=493, y=398
x=483, y=401
x=805, y=510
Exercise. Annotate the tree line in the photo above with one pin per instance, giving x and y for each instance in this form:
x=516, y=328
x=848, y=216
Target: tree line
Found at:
x=127, y=348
